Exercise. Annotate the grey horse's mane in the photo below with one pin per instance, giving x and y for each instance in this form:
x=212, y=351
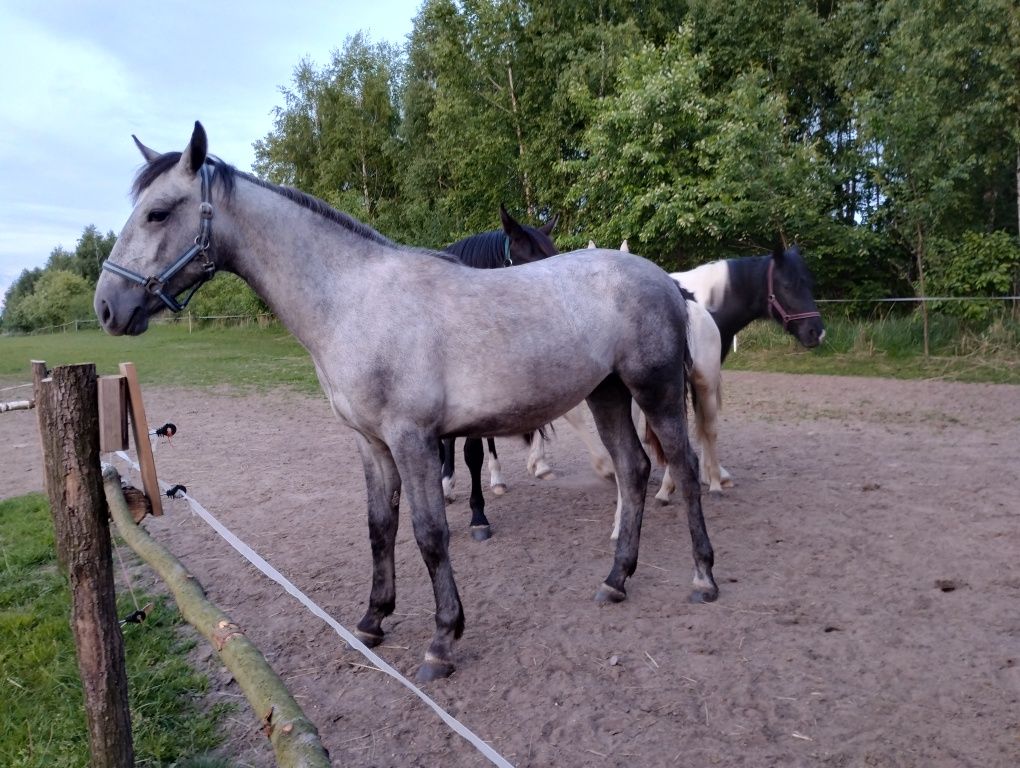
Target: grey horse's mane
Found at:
x=227, y=174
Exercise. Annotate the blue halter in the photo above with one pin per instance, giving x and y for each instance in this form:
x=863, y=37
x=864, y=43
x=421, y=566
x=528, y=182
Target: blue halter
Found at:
x=155, y=284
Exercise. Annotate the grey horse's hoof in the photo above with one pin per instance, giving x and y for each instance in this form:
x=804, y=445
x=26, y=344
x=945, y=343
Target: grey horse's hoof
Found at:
x=607, y=594
x=481, y=532
x=371, y=639
x=433, y=670
x=704, y=595
x=499, y=489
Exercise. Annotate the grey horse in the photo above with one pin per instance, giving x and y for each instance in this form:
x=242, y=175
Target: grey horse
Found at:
x=374, y=316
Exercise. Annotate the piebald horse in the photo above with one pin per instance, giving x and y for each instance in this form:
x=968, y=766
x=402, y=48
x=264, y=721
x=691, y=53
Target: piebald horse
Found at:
x=374, y=316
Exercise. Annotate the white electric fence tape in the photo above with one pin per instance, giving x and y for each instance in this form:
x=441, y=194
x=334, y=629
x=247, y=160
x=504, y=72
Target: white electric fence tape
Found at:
x=255, y=559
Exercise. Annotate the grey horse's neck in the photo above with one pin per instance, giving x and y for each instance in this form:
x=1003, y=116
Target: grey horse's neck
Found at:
x=304, y=265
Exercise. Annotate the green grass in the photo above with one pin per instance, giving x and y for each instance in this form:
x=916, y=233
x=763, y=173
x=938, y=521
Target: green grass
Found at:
x=44, y=724
x=889, y=347
x=249, y=358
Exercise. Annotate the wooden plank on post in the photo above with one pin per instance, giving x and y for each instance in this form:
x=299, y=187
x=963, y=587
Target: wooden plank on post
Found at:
x=113, y=420
x=69, y=430
x=140, y=431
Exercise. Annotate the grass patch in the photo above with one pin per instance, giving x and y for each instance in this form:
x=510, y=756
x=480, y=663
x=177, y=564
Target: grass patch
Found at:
x=249, y=358
x=41, y=691
x=888, y=347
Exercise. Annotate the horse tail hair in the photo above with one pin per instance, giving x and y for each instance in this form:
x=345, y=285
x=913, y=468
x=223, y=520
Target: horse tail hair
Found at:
x=652, y=441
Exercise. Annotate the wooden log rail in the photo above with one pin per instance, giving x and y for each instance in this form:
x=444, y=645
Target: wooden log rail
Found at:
x=294, y=738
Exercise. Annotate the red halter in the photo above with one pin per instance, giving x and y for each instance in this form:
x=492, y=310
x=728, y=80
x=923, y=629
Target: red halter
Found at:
x=782, y=314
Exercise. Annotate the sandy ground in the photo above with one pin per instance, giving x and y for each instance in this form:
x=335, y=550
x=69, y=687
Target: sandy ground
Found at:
x=868, y=559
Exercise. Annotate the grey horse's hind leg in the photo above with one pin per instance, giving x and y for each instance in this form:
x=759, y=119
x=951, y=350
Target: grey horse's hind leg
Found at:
x=610, y=405
x=669, y=423
x=414, y=454
x=383, y=486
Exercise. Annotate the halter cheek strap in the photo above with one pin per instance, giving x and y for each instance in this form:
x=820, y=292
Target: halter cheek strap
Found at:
x=507, y=261
x=781, y=314
x=155, y=284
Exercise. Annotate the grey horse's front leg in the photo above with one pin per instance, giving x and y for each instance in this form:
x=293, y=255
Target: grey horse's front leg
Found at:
x=610, y=405
x=383, y=485
x=415, y=457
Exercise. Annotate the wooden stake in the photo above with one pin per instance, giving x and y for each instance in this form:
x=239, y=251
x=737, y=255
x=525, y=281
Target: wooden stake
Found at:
x=113, y=419
x=140, y=430
x=69, y=430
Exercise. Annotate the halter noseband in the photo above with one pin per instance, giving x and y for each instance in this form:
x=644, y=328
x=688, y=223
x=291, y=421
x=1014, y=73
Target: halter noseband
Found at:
x=154, y=285
x=781, y=313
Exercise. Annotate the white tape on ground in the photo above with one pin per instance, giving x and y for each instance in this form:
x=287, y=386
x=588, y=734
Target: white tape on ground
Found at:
x=256, y=559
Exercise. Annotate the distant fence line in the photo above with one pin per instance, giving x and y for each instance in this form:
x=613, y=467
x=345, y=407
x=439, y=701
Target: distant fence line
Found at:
x=267, y=317
x=77, y=325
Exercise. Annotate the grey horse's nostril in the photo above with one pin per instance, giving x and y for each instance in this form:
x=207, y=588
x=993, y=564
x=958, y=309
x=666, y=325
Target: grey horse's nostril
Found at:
x=105, y=313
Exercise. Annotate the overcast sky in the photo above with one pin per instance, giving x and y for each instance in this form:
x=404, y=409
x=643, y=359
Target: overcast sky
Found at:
x=78, y=77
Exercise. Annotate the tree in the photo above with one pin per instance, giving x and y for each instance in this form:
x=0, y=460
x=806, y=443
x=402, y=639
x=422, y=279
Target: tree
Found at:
x=922, y=97
x=335, y=136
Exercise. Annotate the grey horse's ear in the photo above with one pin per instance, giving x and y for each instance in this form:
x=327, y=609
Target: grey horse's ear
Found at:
x=194, y=154
x=547, y=228
x=148, y=154
x=591, y=244
x=624, y=247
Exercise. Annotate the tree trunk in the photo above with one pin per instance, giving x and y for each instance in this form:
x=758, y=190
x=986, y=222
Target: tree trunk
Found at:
x=520, y=141
x=69, y=430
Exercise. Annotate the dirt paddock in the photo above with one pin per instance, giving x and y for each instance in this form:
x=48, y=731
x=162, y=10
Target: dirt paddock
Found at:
x=868, y=560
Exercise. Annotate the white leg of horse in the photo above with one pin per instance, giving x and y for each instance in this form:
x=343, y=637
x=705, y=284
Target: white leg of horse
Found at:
x=666, y=489
x=600, y=459
x=496, y=481
x=537, y=463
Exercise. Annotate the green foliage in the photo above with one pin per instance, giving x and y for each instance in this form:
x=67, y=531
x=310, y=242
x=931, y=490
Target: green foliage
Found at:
x=57, y=297
x=227, y=295
x=976, y=265
x=45, y=722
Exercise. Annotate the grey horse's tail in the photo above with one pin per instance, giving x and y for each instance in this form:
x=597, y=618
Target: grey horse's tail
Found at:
x=651, y=439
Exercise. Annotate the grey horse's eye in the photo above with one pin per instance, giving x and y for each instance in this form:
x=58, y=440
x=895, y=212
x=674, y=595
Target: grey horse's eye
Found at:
x=158, y=216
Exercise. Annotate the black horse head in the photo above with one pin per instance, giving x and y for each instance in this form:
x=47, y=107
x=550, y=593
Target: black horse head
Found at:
x=789, y=297
x=516, y=244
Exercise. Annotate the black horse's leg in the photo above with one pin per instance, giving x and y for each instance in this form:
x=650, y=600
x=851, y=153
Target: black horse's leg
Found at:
x=610, y=405
x=447, y=450
x=383, y=486
x=415, y=456
x=669, y=425
x=474, y=455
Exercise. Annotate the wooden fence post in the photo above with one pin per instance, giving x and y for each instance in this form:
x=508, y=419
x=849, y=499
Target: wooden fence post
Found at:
x=69, y=429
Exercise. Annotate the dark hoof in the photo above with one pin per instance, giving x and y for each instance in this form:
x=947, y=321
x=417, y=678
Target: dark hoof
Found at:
x=607, y=594
x=433, y=670
x=371, y=639
x=481, y=532
x=703, y=595
x=716, y=493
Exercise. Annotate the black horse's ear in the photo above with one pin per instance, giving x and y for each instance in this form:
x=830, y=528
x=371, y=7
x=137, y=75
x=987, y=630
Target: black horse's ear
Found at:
x=147, y=153
x=510, y=225
x=547, y=228
x=778, y=246
x=194, y=154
